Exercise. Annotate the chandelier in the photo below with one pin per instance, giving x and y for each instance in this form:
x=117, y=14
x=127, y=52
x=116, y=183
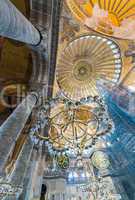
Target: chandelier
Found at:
x=73, y=126
x=114, y=18
x=84, y=61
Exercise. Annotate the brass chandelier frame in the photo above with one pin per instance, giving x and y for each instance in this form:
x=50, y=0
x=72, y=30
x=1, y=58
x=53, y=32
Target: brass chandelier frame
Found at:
x=74, y=143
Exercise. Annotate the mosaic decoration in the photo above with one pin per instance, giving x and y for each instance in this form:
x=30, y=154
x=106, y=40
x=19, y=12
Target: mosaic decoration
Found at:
x=62, y=161
x=100, y=160
x=86, y=60
x=115, y=18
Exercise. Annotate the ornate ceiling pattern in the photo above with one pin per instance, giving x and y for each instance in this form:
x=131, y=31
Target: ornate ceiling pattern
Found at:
x=111, y=17
x=75, y=124
x=100, y=160
x=84, y=61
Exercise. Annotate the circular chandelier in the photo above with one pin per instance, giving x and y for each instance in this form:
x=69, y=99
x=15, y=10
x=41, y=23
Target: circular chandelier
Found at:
x=73, y=126
x=84, y=61
x=114, y=18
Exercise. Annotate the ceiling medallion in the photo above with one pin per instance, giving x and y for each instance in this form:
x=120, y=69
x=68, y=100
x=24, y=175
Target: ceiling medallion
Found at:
x=62, y=161
x=82, y=70
x=100, y=160
x=86, y=60
x=114, y=18
x=73, y=126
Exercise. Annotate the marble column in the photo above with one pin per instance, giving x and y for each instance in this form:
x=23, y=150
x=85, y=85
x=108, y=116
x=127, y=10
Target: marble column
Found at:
x=16, y=26
x=12, y=127
x=34, y=177
x=27, y=180
x=26, y=194
x=37, y=178
x=23, y=162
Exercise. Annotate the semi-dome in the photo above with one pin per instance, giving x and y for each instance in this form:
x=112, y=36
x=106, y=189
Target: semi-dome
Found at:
x=111, y=17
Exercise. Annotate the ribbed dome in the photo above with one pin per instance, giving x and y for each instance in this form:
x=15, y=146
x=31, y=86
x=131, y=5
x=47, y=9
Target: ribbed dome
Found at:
x=86, y=60
x=111, y=17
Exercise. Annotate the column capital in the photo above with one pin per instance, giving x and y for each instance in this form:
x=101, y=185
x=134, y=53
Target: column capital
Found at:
x=35, y=94
x=42, y=45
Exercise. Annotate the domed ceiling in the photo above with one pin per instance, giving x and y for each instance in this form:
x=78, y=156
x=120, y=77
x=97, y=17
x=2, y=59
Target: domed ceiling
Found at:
x=84, y=61
x=80, y=47
x=111, y=17
x=87, y=56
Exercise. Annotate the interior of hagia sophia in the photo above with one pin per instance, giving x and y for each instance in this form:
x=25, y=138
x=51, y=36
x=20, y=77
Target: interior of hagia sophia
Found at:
x=67, y=100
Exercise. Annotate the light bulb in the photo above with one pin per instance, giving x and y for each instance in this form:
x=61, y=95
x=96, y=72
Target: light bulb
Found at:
x=75, y=175
x=70, y=175
x=83, y=175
